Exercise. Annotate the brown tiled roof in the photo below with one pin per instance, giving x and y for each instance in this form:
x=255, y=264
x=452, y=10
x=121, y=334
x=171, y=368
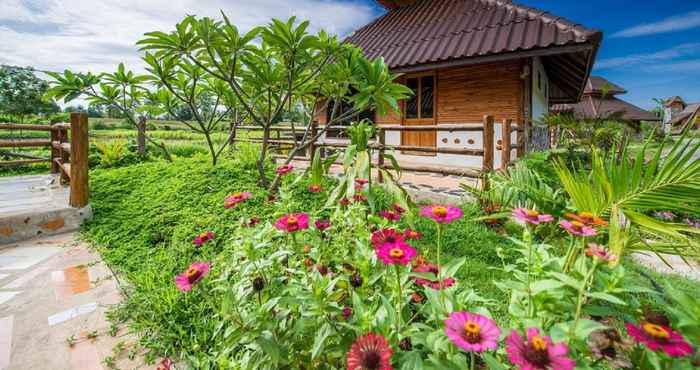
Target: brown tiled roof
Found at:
x=597, y=84
x=433, y=31
x=592, y=106
x=690, y=111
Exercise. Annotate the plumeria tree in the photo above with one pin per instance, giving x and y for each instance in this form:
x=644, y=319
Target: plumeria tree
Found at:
x=123, y=91
x=278, y=68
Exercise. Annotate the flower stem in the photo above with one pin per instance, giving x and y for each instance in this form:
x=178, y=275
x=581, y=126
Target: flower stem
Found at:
x=398, y=301
x=439, y=264
x=528, y=238
x=580, y=298
x=472, y=362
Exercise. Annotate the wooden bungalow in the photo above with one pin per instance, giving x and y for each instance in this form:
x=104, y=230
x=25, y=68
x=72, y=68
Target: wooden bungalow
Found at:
x=468, y=58
x=678, y=114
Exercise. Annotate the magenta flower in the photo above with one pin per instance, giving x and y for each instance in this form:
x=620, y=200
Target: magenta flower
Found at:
x=192, y=276
x=412, y=234
x=537, y=352
x=659, y=337
x=577, y=228
x=390, y=215
x=344, y=201
x=441, y=214
x=165, y=364
x=235, y=198
x=472, y=332
x=361, y=182
x=285, y=169
x=426, y=267
x=347, y=312
x=202, y=238
x=293, y=222
x=315, y=189
x=322, y=225
x=399, y=253
x=386, y=236
x=599, y=252
x=530, y=216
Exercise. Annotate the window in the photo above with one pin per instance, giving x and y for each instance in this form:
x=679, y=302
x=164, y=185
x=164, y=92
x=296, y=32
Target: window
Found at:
x=420, y=105
x=343, y=108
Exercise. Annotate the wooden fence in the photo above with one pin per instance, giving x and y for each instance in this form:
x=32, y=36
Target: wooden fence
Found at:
x=69, y=153
x=487, y=152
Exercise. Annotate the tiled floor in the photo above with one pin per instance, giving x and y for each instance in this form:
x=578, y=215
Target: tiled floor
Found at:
x=54, y=291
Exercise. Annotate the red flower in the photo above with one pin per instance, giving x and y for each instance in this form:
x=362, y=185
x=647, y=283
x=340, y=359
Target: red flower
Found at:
x=361, y=182
x=285, y=169
x=390, y=215
x=322, y=225
x=203, y=238
x=344, y=201
x=412, y=234
x=235, y=198
x=359, y=198
x=435, y=284
x=166, y=364
x=370, y=352
x=315, y=189
x=386, y=236
x=659, y=337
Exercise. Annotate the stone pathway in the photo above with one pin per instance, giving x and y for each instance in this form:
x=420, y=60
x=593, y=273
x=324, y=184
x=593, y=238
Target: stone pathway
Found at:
x=677, y=265
x=54, y=293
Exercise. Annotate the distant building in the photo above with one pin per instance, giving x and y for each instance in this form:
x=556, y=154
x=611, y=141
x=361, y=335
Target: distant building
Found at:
x=600, y=101
x=678, y=114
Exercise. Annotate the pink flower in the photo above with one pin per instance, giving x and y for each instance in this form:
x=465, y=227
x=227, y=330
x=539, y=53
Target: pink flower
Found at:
x=472, y=332
x=235, y=198
x=192, y=276
x=390, y=215
x=165, y=364
x=315, y=189
x=441, y=214
x=530, y=216
x=396, y=254
x=285, y=169
x=293, y=222
x=359, y=198
x=386, y=236
x=347, y=312
x=577, y=228
x=659, y=337
x=397, y=208
x=425, y=267
x=203, y=238
x=361, y=182
x=599, y=252
x=344, y=201
x=322, y=225
x=370, y=352
x=538, y=352
x=412, y=234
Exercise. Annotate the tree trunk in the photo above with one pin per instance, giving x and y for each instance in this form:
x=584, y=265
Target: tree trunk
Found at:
x=141, y=136
x=260, y=163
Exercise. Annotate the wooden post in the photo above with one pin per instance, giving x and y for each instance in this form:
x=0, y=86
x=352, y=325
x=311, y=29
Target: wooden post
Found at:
x=79, y=190
x=488, y=144
x=380, y=158
x=312, y=146
x=65, y=156
x=55, y=152
x=141, y=136
x=505, y=143
x=520, y=140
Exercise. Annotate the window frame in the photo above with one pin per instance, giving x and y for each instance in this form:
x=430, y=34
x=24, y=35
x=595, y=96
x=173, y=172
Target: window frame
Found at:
x=419, y=97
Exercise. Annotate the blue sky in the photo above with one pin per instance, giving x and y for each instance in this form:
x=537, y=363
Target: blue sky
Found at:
x=651, y=47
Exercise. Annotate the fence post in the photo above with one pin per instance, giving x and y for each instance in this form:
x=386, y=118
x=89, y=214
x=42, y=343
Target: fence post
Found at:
x=141, y=136
x=55, y=151
x=380, y=158
x=505, y=143
x=79, y=190
x=65, y=157
x=312, y=146
x=520, y=141
x=488, y=144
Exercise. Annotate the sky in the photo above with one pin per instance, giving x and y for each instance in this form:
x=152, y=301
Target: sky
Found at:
x=650, y=47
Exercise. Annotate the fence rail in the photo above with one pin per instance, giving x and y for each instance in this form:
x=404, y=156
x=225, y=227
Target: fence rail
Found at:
x=69, y=153
x=487, y=152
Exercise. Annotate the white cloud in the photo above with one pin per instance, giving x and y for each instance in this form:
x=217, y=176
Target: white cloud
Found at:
x=655, y=57
x=671, y=24
x=686, y=66
x=97, y=35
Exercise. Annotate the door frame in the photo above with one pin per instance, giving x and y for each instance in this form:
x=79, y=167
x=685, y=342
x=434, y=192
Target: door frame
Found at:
x=421, y=121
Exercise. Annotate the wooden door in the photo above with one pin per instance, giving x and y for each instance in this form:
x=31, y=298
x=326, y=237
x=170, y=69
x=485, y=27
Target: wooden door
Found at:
x=420, y=110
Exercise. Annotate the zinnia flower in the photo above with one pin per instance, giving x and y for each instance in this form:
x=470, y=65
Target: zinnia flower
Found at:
x=390, y=215
x=315, y=188
x=235, y=198
x=599, y=252
x=577, y=228
x=397, y=208
x=361, y=182
x=359, y=198
x=370, y=352
x=202, y=238
x=322, y=225
x=347, y=312
x=398, y=253
x=425, y=267
x=412, y=234
x=344, y=201
x=587, y=219
x=285, y=169
x=386, y=236
x=441, y=214
x=537, y=352
x=192, y=276
x=659, y=337
x=293, y=222
x=530, y=216
x=472, y=332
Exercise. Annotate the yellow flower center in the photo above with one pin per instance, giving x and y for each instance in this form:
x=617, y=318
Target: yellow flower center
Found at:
x=532, y=213
x=237, y=195
x=538, y=343
x=656, y=331
x=440, y=211
x=471, y=328
x=192, y=274
x=292, y=221
x=577, y=224
x=396, y=252
x=586, y=215
x=203, y=235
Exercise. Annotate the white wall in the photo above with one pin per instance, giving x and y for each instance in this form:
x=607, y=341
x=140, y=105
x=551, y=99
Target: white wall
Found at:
x=540, y=90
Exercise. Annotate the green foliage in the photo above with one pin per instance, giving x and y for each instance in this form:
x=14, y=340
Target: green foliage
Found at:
x=111, y=153
x=22, y=93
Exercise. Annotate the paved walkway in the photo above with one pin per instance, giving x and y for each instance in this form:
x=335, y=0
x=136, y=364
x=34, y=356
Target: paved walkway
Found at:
x=53, y=296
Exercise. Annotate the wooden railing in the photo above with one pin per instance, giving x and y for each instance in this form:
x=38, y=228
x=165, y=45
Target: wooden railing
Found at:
x=69, y=153
x=487, y=152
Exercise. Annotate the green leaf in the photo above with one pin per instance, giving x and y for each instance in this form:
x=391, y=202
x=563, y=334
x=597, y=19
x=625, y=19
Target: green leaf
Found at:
x=607, y=297
x=320, y=340
x=492, y=362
